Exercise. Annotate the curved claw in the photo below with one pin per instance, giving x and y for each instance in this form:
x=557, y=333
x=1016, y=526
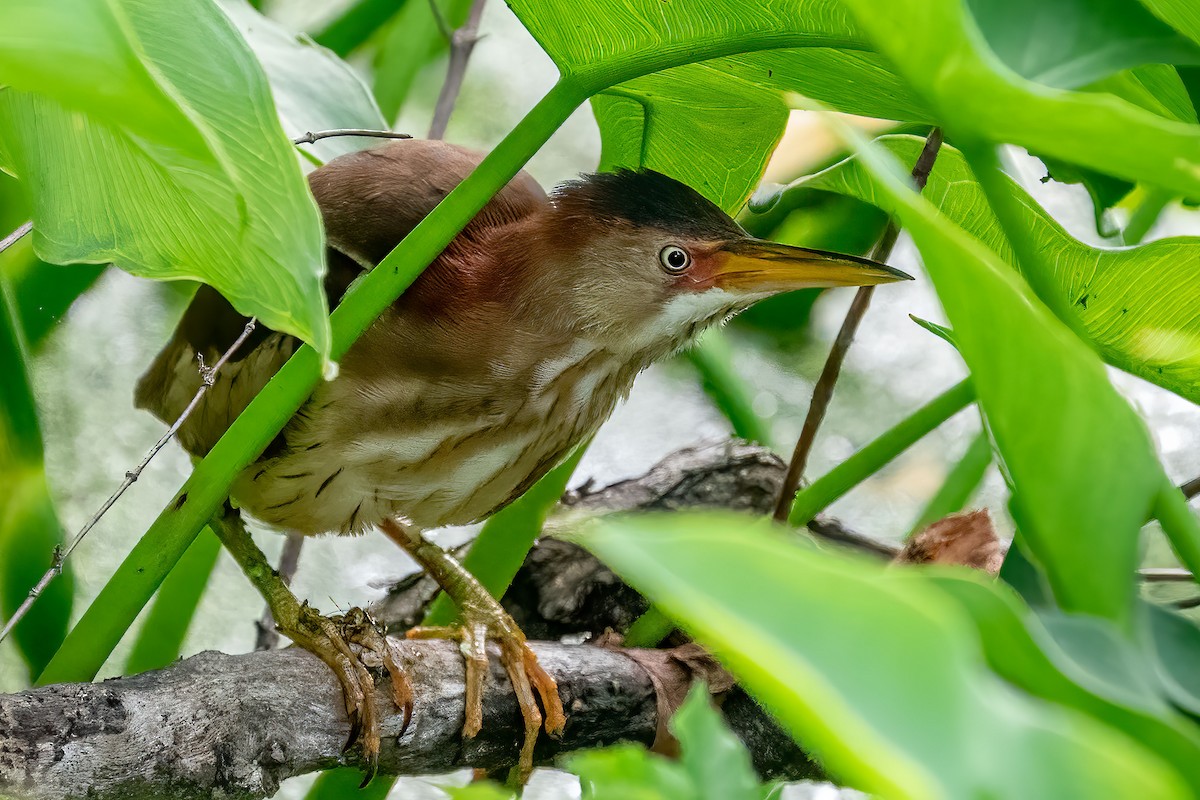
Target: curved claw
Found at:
x=355, y=730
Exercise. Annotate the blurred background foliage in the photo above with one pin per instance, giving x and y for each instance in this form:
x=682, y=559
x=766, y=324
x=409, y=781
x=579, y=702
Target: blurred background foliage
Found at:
x=1069, y=678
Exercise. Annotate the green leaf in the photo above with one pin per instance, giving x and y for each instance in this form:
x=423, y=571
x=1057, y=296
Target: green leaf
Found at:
x=314, y=90
x=1043, y=394
x=715, y=759
x=1068, y=43
x=1135, y=303
x=805, y=631
x=46, y=45
x=713, y=125
x=1020, y=648
x=936, y=47
x=1174, y=645
x=245, y=223
x=1182, y=15
x=628, y=772
x=479, y=791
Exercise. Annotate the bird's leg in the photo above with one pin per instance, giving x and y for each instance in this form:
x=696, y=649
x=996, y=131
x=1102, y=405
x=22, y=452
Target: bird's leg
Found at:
x=482, y=618
x=329, y=638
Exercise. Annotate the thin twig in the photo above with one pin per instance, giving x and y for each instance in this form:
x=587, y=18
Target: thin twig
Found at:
x=462, y=42
x=312, y=137
x=1183, y=605
x=289, y=559
x=1165, y=575
x=823, y=391
x=15, y=236
x=209, y=376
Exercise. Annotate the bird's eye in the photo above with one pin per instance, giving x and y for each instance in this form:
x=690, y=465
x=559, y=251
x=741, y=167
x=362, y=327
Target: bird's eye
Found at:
x=674, y=259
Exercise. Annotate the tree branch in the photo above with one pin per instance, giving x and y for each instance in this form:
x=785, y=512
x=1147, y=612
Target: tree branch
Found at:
x=236, y=726
x=823, y=391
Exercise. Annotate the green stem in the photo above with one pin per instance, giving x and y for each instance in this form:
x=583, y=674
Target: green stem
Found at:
x=959, y=485
x=161, y=639
x=713, y=359
x=649, y=629
x=1180, y=525
x=1146, y=214
x=500, y=549
x=827, y=489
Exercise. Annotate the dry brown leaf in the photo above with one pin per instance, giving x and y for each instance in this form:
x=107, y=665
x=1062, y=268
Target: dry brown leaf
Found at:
x=968, y=539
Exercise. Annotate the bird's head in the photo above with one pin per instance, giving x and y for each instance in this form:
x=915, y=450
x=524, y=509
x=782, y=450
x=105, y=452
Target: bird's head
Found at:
x=650, y=262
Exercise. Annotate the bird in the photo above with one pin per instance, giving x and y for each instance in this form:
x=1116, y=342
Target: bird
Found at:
x=511, y=348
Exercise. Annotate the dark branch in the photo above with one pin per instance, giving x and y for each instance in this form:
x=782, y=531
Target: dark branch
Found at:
x=236, y=726
x=462, y=43
x=823, y=391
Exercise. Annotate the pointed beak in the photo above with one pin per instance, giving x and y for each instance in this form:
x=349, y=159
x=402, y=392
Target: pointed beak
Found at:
x=754, y=266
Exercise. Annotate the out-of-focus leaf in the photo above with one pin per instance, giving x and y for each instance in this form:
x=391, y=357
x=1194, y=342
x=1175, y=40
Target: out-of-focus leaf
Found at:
x=1173, y=641
x=244, y=223
x=628, y=772
x=1141, y=306
x=1044, y=394
x=342, y=783
x=408, y=43
x=29, y=527
x=713, y=757
x=1021, y=650
x=161, y=639
x=806, y=630
x=1067, y=43
x=353, y=27
x=936, y=47
x=1182, y=15
x=314, y=90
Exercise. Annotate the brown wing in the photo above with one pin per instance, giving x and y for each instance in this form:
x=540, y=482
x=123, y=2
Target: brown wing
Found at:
x=369, y=201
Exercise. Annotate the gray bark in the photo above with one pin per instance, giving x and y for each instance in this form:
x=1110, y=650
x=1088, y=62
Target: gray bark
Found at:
x=216, y=725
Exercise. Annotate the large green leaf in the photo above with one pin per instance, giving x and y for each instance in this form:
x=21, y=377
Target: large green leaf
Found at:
x=1182, y=15
x=806, y=632
x=1140, y=305
x=102, y=191
x=936, y=46
x=1044, y=395
x=1067, y=43
x=1022, y=650
x=314, y=90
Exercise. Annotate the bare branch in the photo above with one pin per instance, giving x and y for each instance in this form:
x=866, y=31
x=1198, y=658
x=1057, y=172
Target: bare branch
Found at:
x=462, y=42
x=15, y=236
x=1191, y=488
x=823, y=391
x=311, y=137
x=61, y=554
x=236, y=726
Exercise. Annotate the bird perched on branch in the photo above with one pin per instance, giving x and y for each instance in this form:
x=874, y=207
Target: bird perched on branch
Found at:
x=510, y=349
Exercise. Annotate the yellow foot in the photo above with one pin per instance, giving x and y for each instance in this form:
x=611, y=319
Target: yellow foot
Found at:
x=330, y=638
x=526, y=674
